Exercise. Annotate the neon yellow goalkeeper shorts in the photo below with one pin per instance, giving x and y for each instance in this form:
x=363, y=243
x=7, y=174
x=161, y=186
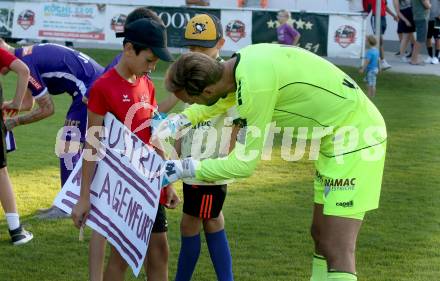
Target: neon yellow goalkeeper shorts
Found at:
x=351, y=188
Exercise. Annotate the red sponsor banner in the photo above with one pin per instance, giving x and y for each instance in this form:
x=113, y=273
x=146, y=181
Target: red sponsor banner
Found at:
x=73, y=35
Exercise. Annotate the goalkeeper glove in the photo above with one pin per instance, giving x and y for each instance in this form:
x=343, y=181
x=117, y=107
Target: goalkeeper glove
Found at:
x=164, y=126
x=179, y=169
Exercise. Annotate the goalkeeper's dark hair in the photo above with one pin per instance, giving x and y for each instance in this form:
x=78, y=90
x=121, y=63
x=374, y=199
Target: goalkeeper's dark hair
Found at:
x=193, y=72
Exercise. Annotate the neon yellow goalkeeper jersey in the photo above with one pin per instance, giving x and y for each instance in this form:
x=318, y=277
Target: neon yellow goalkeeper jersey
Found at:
x=298, y=90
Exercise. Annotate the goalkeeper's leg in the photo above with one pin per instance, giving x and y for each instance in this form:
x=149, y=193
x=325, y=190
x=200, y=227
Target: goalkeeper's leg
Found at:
x=319, y=262
x=335, y=243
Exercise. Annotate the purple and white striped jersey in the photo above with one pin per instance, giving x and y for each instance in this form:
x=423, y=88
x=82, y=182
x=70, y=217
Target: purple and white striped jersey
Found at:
x=56, y=69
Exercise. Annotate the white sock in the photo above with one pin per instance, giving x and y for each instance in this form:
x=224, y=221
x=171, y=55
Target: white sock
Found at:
x=13, y=220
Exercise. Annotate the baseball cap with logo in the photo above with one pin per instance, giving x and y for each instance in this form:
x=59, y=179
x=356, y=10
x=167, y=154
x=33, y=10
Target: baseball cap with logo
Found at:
x=148, y=33
x=203, y=30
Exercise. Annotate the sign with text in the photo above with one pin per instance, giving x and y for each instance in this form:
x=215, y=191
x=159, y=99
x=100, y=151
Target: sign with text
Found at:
x=124, y=193
x=54, y=20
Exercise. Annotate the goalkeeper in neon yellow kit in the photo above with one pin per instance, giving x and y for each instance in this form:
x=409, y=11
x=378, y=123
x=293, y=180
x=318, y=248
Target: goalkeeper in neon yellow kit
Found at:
x=294, y=88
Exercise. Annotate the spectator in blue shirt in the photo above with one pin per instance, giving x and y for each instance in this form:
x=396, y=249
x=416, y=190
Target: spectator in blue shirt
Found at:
x=371, y=65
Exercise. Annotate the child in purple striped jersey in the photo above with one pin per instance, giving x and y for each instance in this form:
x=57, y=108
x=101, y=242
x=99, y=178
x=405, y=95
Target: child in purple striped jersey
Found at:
x=287, y=35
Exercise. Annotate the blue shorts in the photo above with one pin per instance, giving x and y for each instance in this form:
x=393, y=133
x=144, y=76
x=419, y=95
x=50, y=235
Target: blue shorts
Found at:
x=371, y=77
x=383, y=24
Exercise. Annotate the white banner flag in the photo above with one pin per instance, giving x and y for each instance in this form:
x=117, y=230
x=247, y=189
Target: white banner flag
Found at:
x=124, y=194
x=237, y=29
x=345, y=36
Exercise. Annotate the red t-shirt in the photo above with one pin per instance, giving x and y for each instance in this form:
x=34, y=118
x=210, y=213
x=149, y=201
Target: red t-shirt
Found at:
x=371, y=5
x=6, y=58
x=112, y=93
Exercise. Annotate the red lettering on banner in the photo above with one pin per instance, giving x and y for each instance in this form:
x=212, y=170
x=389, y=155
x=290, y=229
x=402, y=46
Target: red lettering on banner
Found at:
x=75, y=35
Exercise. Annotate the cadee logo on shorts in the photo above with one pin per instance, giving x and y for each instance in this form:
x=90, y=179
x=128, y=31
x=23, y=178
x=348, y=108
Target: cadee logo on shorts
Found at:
x=348, y=204
x=342, y=184
x=336, y=184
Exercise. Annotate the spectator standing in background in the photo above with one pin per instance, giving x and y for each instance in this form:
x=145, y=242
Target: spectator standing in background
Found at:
x=405, y=26
x=371, y=65
x=420, y=9
x=370, y=5
x=433, y=32
x=285, y=32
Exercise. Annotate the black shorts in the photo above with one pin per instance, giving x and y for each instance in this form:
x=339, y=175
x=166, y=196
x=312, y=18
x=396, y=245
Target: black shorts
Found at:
x=402, y=27
x=432, y=32
x=203, y=201
x=2, y=135
x=161, y=223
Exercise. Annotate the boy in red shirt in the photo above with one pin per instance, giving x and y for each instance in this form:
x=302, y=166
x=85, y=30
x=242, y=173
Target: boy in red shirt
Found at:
x=117, y=91
x=16, y=231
